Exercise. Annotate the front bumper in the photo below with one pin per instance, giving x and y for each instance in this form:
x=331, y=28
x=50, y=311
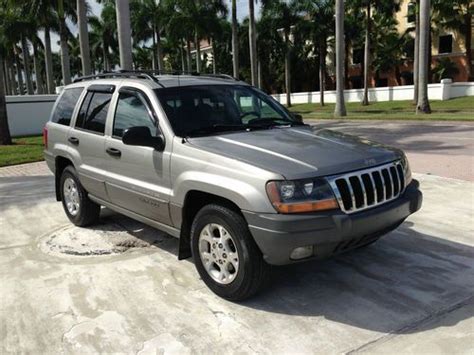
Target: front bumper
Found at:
x=331, y=232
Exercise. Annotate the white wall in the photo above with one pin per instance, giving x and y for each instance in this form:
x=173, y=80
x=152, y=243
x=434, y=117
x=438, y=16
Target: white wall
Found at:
x=440, y=91
x=28, y=114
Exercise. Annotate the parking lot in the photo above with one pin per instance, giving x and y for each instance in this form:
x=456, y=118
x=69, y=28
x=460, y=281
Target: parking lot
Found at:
x=118, y=286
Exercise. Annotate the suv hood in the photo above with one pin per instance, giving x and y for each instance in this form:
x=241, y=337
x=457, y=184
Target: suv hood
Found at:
x=299, y=152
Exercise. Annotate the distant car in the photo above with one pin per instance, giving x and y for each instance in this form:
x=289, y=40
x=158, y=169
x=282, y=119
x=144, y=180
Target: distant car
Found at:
x=225, y=168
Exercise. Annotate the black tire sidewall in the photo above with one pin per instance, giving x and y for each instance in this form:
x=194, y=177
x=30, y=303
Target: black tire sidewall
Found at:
x=240, y=235
x=70, y=172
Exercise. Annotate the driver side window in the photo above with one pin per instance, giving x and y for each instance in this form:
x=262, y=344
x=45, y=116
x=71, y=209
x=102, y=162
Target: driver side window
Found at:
x=132, y=111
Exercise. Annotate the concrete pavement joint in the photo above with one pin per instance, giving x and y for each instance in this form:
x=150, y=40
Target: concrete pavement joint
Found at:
x=413, y=325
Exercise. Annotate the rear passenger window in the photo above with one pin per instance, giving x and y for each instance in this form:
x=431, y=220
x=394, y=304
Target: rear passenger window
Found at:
x=65, y=106
x=132, y=112
x=93, y=112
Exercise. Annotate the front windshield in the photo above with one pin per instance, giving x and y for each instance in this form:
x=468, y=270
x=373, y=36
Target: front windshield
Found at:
x=210, y=109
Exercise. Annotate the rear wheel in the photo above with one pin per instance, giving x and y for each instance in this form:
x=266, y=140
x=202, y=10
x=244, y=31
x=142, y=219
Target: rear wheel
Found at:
x=78, y=207
x=225, y=254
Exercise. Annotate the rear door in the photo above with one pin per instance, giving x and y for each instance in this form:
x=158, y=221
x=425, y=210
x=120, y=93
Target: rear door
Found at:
x=87, y=139
x=138, y=178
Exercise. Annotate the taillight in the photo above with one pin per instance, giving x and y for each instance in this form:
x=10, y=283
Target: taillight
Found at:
x=45, y=137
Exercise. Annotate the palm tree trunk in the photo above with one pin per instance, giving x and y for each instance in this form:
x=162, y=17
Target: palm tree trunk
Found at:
x=65, y=63
x=124, y=33
x=26, y=65
x=235, y=41
x=416, y=54
x=11, y=77
x=181, y=50
x=468, y=39
x=365, y=100
x=214, y=59
x=48, y=58
x=83, y=37
x=39, y=78
x=154, y=59
x=423, y=105
x=340, y=109
x=253, y=43
x=197, y=46
x=159, y=51
x=3, y=68
x=19, y=73
x=5, y=137
x=322, y=70
x=259, y=69
x=188, y=55
x=288, y=70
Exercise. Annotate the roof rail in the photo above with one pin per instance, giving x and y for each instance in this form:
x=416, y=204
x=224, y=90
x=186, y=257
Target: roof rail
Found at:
x=148, y=74
x=120, y=74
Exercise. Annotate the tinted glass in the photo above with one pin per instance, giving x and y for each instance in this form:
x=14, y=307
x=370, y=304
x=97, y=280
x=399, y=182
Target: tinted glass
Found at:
x=198, y=107
x=96, y=112
x=65, y=106
x=131, y=112
x=83, y=110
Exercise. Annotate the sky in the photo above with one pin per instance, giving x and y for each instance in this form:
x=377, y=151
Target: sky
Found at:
x=242, y=12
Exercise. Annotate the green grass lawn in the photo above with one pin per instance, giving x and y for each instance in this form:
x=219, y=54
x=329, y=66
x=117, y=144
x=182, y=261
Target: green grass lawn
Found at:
x=459, y=109
x=23, y=150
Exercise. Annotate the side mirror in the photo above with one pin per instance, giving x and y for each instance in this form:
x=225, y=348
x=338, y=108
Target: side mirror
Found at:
x=297, y=117
x=141, y=136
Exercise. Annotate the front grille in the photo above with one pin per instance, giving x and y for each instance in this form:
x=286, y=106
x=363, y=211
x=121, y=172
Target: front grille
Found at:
x=368, y=188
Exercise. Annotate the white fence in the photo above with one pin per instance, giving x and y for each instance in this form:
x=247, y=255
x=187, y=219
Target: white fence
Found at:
x=443, y=91
x=27, y=115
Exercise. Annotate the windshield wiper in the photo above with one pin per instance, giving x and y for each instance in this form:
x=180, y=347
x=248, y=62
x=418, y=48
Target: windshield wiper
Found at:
x=268, y=122
x=217, y=128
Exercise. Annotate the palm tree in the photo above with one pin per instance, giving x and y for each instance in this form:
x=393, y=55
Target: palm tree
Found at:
x=63, y=35
x=340, y=109
x=285, y=16
x=5, y=137
x=423, y=105
x=103, y=35
x=416, y=54
x=83, y=37
x=235, y=40
x=253, y=43
x=124, y=33
x=321, y=13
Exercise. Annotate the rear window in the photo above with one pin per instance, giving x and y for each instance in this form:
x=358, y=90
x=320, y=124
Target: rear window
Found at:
x=65, y=106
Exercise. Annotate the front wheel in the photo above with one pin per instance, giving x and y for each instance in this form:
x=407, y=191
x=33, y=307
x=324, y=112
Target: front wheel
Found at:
x=225, y=254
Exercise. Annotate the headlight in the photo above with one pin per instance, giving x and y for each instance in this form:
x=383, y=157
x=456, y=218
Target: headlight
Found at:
x=406, y=170
x=301, y=195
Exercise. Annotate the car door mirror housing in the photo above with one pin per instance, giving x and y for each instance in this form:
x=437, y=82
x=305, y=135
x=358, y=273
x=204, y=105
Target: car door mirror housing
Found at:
x=141, y=136
x=297, y=117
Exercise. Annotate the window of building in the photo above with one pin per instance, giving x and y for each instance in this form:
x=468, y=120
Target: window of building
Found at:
x=65, y=106
x=446, y=44
x=357, y=82
x=131, y=111
x=357, y=56
x=93, y=113
x=382, y=82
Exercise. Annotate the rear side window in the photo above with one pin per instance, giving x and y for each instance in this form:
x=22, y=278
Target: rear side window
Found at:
x=65, y=106
x=93, y=112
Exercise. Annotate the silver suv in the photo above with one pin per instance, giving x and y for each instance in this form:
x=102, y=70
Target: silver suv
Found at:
x=242, y=182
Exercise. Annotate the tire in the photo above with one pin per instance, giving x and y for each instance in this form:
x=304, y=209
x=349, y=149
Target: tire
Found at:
x=251, y=273
x=81, y=211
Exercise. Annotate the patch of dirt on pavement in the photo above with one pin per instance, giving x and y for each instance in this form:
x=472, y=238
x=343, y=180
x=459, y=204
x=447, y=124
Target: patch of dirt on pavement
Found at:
x=103, y=239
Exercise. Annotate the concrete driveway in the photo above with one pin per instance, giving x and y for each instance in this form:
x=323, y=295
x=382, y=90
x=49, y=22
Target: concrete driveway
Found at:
x=410, y=292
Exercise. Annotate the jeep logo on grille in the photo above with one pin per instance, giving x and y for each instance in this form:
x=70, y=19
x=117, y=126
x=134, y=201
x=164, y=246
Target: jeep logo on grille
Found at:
x=370, y=161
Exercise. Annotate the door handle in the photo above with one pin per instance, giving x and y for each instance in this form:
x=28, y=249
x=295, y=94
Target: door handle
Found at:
x=73, y=140
x=114, y=152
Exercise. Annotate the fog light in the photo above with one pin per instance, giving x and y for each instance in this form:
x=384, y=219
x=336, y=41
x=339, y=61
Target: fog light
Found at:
x=301, y=252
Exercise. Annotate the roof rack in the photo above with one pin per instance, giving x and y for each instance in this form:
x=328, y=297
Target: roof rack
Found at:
x=149, y=74
x=120, y=74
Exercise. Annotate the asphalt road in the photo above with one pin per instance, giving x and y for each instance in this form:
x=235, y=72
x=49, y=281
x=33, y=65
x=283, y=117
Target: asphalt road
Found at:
x=411, y=292
x=438, y=148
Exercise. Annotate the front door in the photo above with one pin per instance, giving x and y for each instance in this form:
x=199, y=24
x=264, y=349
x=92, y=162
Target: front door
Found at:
x=138, y=177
